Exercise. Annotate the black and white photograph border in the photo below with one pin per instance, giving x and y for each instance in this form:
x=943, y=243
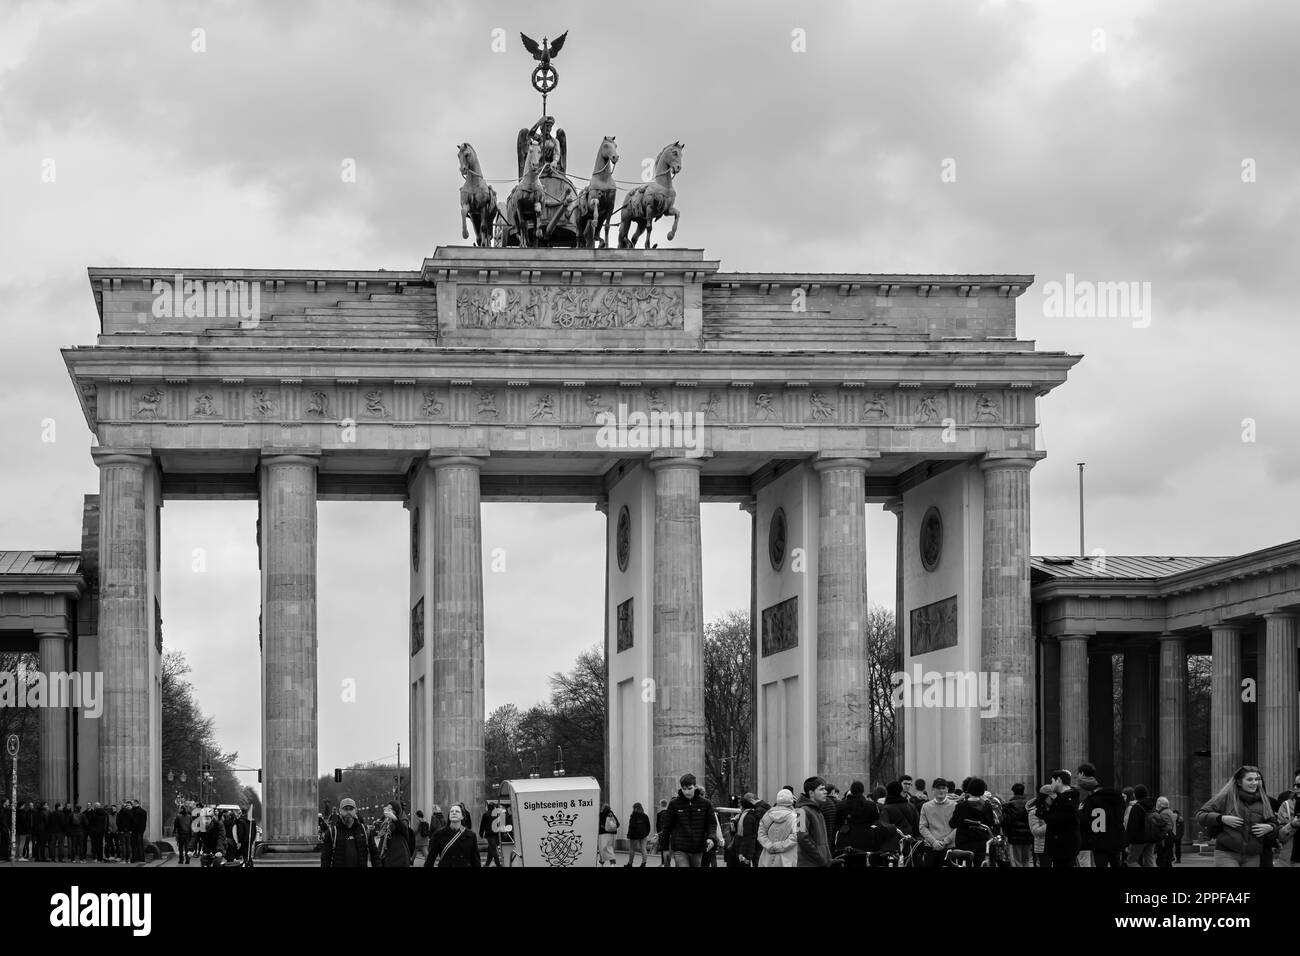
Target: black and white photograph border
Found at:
x=559, y=436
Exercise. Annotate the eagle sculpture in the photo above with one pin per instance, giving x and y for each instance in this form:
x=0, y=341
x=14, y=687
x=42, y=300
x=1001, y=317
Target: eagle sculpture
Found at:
x=544, y=51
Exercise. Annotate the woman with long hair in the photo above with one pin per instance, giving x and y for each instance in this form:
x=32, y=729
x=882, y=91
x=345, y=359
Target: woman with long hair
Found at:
x=1240, y=818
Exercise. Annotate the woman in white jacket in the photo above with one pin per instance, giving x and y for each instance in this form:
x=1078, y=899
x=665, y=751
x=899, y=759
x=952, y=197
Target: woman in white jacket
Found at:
x=777, y=833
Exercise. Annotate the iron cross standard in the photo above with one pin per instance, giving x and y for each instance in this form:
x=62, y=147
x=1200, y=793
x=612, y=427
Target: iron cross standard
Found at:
x=545, y=76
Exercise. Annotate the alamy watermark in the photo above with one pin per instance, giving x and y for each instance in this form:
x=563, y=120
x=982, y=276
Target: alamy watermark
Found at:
x=208, y=299
x=53, y=689
x=1085, y=299
x=654, y=429
x=936, y=689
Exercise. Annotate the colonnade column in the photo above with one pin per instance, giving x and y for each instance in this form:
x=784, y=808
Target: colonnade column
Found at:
x=123, y=623
x=54, y=722
x=895, y=507
x=289, y=696
x=843, y=707
x=1278, y=711
x=1074, y=700
x=1136, y=717
x=1173, y=722
x=456, y=633
x=678, y=624
x=1006, y=628
x=1226, y=718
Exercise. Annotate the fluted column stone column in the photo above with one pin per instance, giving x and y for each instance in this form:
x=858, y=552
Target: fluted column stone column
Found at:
x=1278, y=716
x=1136, y=717
x=1173, y=722
x=123, y=623
x=895, y=507
x=1074, y=700
x=1006, y=629
x=54, y=721
x=843, y=705
x=290, y=727
x=456, y=633
x=678, y=624
x=1227, y=722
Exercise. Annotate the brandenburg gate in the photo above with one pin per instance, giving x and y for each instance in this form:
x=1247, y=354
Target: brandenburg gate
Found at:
x=644, y=381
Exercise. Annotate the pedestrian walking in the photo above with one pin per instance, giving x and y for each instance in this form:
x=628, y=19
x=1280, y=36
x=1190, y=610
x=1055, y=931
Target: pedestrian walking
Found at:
x=455, y=844
x=346, y=843
x=689, y=826
x=1239, y=818
x=638, y=828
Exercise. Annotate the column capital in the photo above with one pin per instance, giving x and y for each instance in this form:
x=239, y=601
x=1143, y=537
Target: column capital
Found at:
x=824, y=461
x=141, y=457
x=280, y=457
x=1228, y=628
x=671, y=459
x=1168, y=636
x=999, y=460
x=451, y=461
x=1062, y=638
x=1279, y=615
x=61, y=635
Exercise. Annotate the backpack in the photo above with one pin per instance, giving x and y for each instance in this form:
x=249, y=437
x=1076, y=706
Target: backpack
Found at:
x=611, y=824
x=1135, y=824
x=1155, y=828
x=424, y=828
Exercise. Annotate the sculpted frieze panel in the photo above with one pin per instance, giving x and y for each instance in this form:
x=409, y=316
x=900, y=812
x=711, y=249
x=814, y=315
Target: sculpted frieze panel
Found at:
x=569, y=307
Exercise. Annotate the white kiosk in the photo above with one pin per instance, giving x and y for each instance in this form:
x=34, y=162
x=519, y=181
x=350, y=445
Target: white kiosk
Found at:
x=556, y=819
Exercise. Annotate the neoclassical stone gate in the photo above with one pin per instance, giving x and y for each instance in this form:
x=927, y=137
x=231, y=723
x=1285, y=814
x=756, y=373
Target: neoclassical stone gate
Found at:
x=494, y=375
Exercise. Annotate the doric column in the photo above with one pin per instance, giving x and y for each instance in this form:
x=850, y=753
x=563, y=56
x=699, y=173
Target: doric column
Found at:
x=895, y=507
x=843, y=707
x=1101, y=715
x=456, y=634
x=123, y=623
x=54, y=721
x=678, y=628
x=289, y=726
x=1226, y=717
x=1074, y=700
x=1173, y=722
x=1136, y=717
x=1278, y=716
x=1006, y=630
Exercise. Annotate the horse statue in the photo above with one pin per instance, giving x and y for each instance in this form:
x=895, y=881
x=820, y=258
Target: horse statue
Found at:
x=596, y=201
x=478, y=200
x=654, y=200
x=523, y=205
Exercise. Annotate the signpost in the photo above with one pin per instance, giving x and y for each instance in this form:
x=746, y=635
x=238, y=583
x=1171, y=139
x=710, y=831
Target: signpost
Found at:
x=11, y=745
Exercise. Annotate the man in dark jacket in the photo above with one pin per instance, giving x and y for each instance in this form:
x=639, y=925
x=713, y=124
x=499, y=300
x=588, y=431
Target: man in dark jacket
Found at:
x=1102, y=818
x=491, y=836
x=40, y=821
x=898, y=811
x=661, y=819
x=54, y=833
x=689, y=828
x=346, y=843
x=814, y=847
x=1141, y=851
x=139, y=826
x=26, y=821
x=1060, y=812
x=1015, y=827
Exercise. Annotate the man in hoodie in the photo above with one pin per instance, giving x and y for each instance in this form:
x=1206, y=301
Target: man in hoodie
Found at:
x=689, y=827
x=1101, y=822
x=1015, y=827
x=1060, y=813
x=936, y=822
x=814, y=847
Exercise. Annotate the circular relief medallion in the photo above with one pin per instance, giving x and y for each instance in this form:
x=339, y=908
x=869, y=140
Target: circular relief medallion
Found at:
x=776, y=539
x=415, y=540
x=623, y=538
x=931, y=539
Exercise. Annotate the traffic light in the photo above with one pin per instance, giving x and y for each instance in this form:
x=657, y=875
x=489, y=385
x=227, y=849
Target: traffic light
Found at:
x=207, y=765
x=338, y=775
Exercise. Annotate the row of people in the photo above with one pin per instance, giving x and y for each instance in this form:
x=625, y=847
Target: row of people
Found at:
x=69, y=833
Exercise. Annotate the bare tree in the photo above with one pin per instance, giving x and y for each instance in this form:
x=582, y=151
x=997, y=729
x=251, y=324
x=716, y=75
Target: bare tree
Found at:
x=882, y=663
x=728, y=706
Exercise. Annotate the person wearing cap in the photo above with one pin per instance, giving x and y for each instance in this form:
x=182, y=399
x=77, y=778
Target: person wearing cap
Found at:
x=346, y=844
x=689, y=827
x=751, y=815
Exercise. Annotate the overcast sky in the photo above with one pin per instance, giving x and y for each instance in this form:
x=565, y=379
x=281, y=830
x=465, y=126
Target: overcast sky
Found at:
x=1127, y=141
